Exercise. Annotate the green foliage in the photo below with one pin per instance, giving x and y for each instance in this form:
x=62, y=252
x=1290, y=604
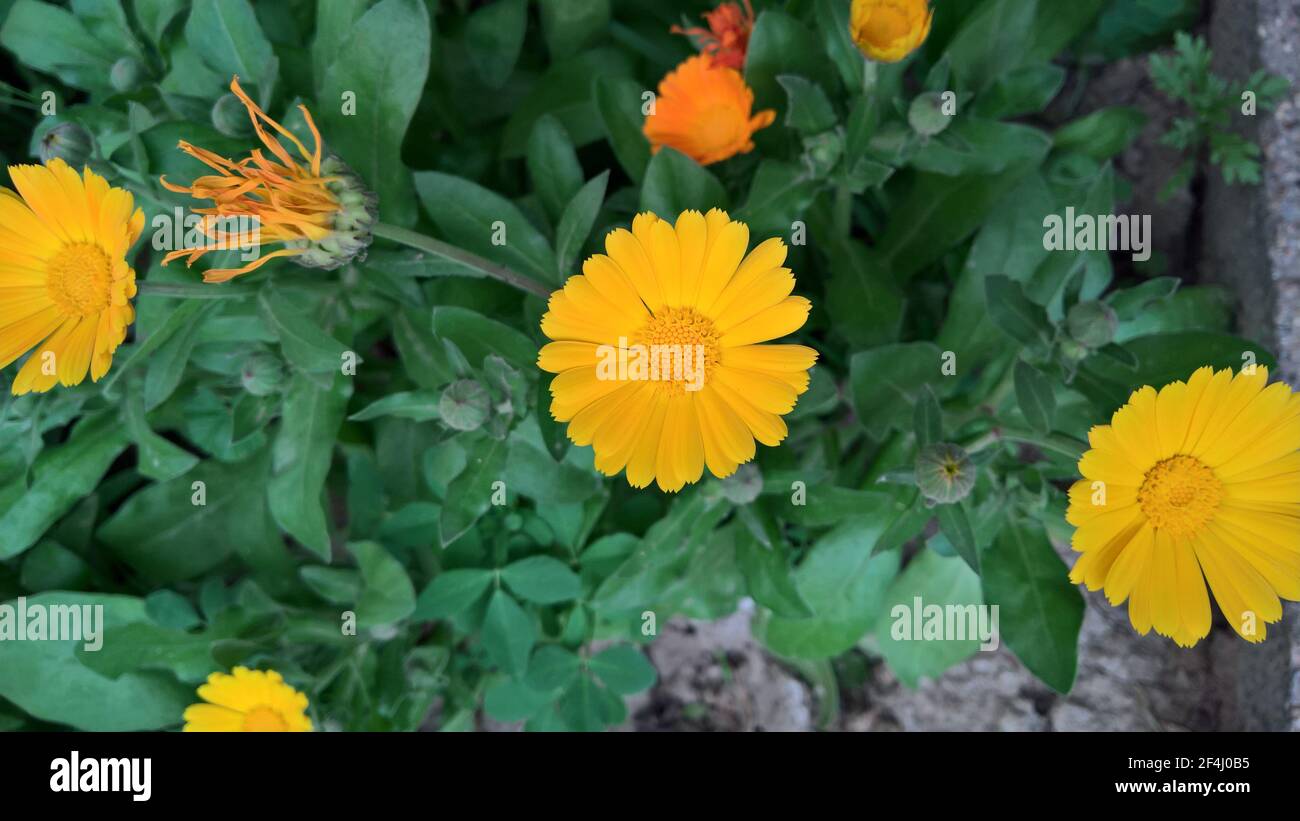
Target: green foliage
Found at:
x=353, y=477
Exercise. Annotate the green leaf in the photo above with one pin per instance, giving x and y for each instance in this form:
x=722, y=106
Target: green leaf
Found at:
x=882, y=382
x=1040, y=611
x=992, y=41
x=386, y=592
x=809, y=109
x=469, y=495
x=167, y=363
x=553, y=165
x=334, y=22
x=781, y=44
x=452, y=592
x=304, y=344
x=486, y=223
x=384, y=64
x=61, y=477
x=552, y=668
x=769, y=578
x=51, y=566
x=675, y=183
x=228, y=38
x=1035, y=395
x=509, y=700
x=1013, y=312
x=1103, y=133
x=48, y=681
x=159, y=458
x=541, y=579
x=1024, y=90
x=494, y=36
x=980, y=147
x=927, y=418
x=935, y=580
x=568, y=25
x=618, y=100
x=301, y=456
x=780, y=193
x=576, y=222
x=508, y=634
x=421, y=406
x=833, y=24
x=623, y=669
x=956, y=526
x=477, y=337
x=51, y=39
x=179, y=529
x=336, y=585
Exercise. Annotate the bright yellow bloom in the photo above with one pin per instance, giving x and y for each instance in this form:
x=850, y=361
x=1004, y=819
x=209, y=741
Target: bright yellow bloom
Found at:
x=704, y=110
x=889, y=30
x=1196, y=482
x=249, y=701
x=657, y=355
x=65, y=285
x=317, y=208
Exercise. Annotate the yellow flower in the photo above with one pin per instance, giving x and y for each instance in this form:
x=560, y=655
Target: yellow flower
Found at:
x=657, y=355
x=317, y=207
x=889, y=30
x=704, y=110
x=65, y=285
x=1196, y=482
x=250, y=701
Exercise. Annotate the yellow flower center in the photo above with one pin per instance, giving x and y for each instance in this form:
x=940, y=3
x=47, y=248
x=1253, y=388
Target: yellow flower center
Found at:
x=79, y=279
x=264, y=720
x=1179, y=495
x=680, y=343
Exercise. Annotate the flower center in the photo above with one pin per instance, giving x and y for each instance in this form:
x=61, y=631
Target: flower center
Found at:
x=1180, y=494
x=264, y=720
x=682, y=346
x=79, y=279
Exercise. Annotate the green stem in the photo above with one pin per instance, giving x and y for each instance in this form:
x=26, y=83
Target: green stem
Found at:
x=843, y=211
x=194, y=290
x=441, y=249
x=1064, y=445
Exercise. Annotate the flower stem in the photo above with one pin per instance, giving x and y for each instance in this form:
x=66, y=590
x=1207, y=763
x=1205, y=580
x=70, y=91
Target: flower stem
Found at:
x=480, y=265
x=193, y=290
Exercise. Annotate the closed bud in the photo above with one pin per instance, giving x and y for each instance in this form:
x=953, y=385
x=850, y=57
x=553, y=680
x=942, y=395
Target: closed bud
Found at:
x=126, y=75
x=944, y=473
x=1092, y=324
x=743, y=486
x=69, y=142
x=926, y=114
x=230, y=117
x=262, y=374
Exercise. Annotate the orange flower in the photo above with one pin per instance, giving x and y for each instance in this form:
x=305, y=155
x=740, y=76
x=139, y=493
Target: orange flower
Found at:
x=889, y=30
x=727, y=36
x=318, y=208
x=704, y=110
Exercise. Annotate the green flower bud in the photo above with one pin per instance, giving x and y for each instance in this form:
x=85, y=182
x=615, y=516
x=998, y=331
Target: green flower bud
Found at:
x=126, y=75
x=69, y=142
x=464, y=405
x=743, y=486
x=926, y=115
x=1092, y=324
x=230, y=117
x=823, y=151
x=262, y=374
x=944, y=473
x=350, y=235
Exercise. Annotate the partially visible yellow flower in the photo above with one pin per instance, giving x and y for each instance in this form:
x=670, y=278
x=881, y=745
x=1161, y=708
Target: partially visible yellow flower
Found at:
x=249, y=701
x=317, y=207
x=65, y=284
x=705, y=111
x=889, y=30
x=1196, y=482
x=657, y=349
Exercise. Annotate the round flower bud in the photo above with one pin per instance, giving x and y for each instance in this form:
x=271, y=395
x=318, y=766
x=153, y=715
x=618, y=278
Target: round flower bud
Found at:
x=262, y=374
x=944, y=473
x=230, y=117
x=126, y=75
x=69, y=142
x=1092, y=324
x=743, y=486
x=926, y=114
x=464, y=405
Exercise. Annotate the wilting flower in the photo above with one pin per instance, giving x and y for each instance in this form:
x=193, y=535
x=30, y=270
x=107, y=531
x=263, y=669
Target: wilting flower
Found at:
x=317, y=207
x=705, y=111
x=727, y=37
x=889, y=30
x=65, y=284
x=249, y=701
x=1196, y=482
x=657, y=349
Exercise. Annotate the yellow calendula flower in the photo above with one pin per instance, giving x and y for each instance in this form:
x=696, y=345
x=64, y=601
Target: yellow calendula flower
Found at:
x=705, y=110
x=248, y=701
x=657, y=354
x=316, y=206
x=889, y=30
x=1197, y=482
x=65, y=284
